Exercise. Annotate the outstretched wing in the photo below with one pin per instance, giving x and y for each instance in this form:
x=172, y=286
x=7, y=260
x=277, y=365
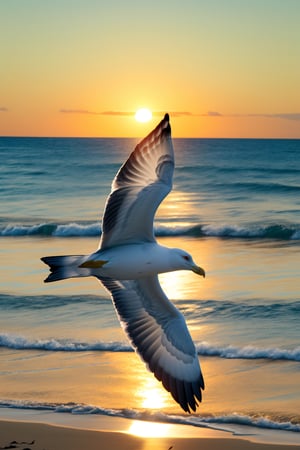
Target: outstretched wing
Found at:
x=138, y=188
x=159, y=333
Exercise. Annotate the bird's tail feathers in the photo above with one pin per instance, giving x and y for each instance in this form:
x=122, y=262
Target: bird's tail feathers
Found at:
x=62, y=267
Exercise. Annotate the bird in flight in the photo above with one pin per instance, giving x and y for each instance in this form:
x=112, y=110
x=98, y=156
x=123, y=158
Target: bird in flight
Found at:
x=128, y=261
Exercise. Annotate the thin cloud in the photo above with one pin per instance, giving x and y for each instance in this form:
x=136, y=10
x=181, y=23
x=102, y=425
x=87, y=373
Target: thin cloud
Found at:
x=120, y=113
x=78, y=111
x=290, y=116
x=172, y=113
x=189, y=114
x=117, y=113
x=96, y=113
x=283, y=116
x=132, y=113
x=3, y=109
x=213, y=114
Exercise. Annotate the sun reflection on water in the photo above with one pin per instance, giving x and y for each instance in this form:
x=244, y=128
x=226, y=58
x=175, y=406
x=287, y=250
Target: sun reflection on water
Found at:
x=149, y=429
x=151, y=395
x=176, y=284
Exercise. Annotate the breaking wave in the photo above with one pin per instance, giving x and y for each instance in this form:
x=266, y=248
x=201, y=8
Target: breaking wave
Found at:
x=248, y=352
x=209, y=421
x=274, y=231
x=203, y=348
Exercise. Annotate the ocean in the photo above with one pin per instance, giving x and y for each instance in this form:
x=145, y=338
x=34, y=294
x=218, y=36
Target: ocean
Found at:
x=235, y=207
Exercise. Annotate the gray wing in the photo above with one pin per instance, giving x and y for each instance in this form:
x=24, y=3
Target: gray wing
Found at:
x=158, y=332
x=138, y=188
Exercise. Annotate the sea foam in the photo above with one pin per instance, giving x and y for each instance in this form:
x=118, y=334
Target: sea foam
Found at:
x=203, y=348
x=211, y=421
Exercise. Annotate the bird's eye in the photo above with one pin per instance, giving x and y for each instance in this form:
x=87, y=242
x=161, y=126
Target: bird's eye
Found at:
x=187, y=258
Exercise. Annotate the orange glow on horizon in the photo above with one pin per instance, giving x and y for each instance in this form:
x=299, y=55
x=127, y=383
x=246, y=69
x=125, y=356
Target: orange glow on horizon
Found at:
x=73, y=125
x=225, y=75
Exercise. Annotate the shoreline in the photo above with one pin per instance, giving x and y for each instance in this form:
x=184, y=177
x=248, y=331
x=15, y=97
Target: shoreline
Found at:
x=61, y=431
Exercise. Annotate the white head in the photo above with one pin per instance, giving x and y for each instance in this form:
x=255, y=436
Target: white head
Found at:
x=181, y=260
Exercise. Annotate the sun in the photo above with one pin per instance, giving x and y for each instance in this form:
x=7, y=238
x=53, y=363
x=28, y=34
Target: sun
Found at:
x=143, y=115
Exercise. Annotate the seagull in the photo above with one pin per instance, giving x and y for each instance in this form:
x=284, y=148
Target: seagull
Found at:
x=128, y=261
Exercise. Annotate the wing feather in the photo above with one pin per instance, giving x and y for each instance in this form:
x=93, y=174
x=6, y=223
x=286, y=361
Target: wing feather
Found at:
x=160, y=336
x=139, y=187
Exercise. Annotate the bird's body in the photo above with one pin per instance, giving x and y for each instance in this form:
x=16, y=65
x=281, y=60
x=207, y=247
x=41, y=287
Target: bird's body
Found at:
x=129, y=260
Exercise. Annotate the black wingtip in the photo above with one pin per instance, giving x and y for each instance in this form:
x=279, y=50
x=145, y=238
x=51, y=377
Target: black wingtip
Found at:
x=166, y=124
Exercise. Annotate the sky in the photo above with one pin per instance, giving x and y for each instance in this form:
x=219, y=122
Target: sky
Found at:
x=221, y=68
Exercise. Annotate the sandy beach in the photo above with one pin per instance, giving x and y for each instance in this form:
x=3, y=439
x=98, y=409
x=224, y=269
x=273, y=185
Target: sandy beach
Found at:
x=37, y=436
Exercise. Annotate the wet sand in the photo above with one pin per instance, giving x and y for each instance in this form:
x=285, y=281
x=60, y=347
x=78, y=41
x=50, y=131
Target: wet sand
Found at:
x=37, y=436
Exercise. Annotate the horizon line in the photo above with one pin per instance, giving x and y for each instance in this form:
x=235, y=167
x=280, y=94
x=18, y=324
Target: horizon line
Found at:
x=141, y=137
